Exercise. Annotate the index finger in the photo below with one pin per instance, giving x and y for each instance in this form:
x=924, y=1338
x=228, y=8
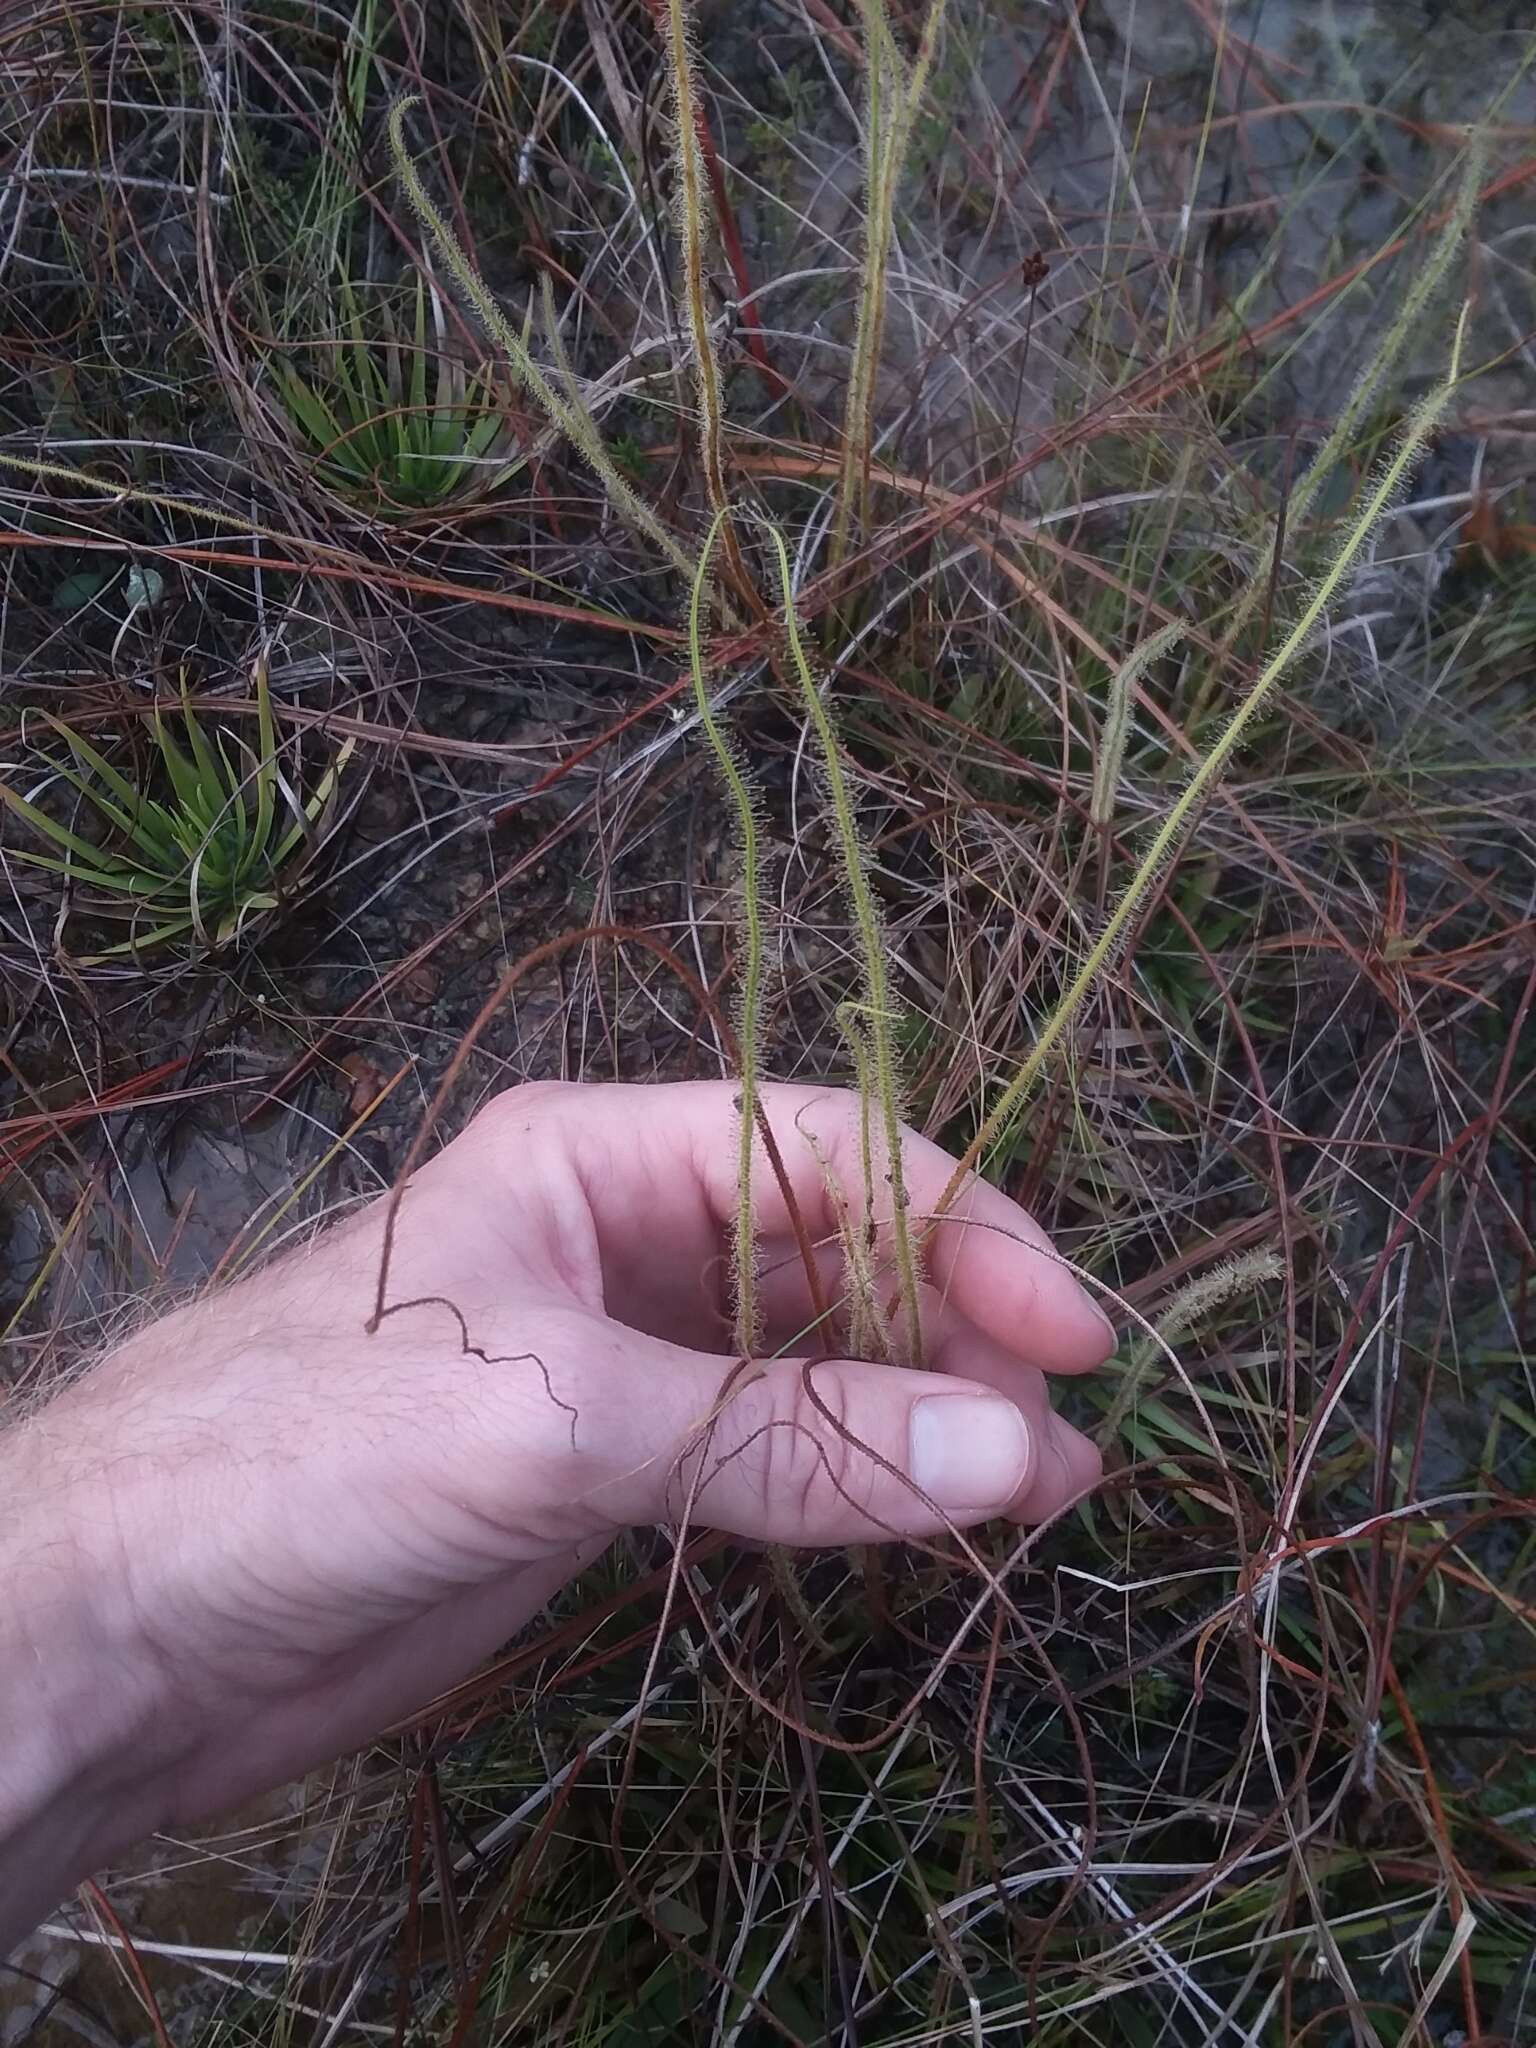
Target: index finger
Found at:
x=987, y=1256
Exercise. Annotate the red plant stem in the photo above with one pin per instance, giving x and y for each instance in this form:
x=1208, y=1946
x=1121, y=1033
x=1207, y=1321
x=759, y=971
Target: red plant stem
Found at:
x=133, y=1965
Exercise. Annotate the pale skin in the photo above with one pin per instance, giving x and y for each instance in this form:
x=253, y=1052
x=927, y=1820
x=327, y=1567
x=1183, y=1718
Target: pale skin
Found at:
x=255, y=1534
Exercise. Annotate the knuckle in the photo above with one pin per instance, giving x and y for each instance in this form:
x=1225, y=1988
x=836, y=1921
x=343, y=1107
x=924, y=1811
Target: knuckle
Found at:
x=814, y=1457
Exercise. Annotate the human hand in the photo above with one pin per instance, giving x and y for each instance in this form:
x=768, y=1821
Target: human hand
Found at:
x=259, y=1534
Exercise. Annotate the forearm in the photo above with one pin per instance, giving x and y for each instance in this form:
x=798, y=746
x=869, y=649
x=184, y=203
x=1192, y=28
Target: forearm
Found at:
x=80, y=1732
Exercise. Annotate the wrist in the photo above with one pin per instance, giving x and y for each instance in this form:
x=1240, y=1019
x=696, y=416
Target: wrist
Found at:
x=85, y=1749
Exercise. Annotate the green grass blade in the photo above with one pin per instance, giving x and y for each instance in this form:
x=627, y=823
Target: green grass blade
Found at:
x=213, y=782
x=97, y=762
x=266, y=762
x=49, y=827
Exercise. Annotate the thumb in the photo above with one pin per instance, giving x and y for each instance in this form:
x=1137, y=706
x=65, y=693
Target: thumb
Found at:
x=820, y=1452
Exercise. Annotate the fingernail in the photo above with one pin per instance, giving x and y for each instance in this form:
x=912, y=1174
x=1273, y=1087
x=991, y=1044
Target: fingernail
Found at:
x=970, y=1452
